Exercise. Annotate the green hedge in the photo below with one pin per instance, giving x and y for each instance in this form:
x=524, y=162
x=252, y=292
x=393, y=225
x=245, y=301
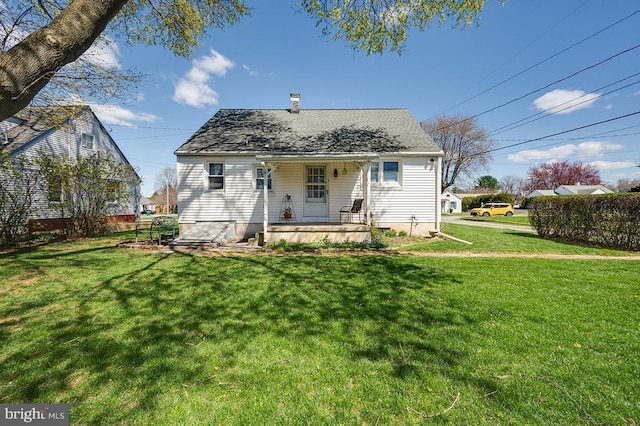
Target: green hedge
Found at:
x=610, y=220
x=469, y=203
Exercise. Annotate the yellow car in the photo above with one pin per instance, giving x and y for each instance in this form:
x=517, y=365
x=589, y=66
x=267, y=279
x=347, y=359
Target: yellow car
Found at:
x=493, y=209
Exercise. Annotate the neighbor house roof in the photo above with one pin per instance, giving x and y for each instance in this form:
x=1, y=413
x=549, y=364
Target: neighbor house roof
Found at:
x=542, y=193
x=321, y=131
x=34, y=121
x=583, y=189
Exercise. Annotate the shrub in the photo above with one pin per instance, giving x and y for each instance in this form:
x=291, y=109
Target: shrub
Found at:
x=609, y=220
x=390, y=232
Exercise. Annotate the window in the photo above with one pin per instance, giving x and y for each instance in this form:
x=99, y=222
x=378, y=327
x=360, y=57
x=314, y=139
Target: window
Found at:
x=375, y=170
x=260, y=172
x=216, y=176
x=86, y=141
x=390, y=171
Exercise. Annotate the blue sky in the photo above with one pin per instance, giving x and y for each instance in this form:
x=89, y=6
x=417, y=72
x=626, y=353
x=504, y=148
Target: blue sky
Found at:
x=258, y=62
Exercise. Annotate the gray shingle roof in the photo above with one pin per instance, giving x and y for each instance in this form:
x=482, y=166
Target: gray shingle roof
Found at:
x=321, y=131
x=35, y=121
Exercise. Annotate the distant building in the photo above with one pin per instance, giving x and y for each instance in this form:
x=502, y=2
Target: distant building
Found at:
x=572, y=190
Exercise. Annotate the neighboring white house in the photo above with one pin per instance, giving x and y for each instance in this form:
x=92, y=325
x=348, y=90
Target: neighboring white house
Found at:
x=582, y=190
x=146, y=205
x=572, y=190
x=69, y=132
x=451, y=203
x=251, y=166
x=542, y=193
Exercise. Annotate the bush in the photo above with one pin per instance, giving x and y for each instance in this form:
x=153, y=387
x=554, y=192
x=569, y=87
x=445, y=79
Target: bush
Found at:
x=469, y=203
x=609, y=220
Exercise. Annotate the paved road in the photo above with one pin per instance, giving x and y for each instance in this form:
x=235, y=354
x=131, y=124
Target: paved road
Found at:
x=460, y=220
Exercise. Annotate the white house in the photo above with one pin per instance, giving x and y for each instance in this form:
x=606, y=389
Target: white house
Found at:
x=70, y=132
x=582, y=190
x=572, y=190
x=261, y=167
x=542, y=193
x=451, y=203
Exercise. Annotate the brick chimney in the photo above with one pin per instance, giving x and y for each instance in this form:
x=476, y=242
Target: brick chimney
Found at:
x=295, y=103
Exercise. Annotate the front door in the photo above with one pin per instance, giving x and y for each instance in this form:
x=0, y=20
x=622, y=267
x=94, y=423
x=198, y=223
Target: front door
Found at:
x=315, y=189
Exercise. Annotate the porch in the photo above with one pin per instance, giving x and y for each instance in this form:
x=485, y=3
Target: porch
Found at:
x=312, y=232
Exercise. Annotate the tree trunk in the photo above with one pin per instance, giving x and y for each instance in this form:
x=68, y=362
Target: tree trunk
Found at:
x=28, y=66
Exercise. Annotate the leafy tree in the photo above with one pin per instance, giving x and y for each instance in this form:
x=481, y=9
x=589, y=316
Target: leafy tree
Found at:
x=89, y=189
x=488, y=182
x=43, y=36
x=464, y=142
x=20, y=184
x=552, y=175
x=166, y=184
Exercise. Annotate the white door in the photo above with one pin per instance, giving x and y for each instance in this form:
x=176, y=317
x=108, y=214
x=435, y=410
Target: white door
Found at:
x=315, y=193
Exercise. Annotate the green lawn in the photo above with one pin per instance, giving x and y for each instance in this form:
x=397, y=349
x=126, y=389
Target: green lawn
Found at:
x=133, y=337
x=494, y=240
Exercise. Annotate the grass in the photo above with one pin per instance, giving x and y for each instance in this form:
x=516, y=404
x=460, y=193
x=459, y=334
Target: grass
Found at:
x=133, y=337
x=495, y=240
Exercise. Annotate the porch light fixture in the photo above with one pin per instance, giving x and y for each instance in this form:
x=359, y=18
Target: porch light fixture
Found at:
x=344, y=168
x=335, y=173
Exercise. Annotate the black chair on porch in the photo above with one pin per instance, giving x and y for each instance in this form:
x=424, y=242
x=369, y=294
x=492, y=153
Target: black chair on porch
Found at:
x=351, y=211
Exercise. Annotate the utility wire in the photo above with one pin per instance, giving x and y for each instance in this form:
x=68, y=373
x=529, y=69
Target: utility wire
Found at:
x=542, y=88
x=557, y=134
x=569, y=104
x=542, y=62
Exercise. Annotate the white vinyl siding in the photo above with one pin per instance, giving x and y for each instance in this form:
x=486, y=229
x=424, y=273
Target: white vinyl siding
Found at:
x=67, y=142
x=417, y=197
x=241, y=202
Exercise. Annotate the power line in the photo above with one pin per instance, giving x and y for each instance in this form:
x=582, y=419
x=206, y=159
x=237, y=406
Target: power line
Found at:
x=555, y=109
x=542, y=88
x=558, y=133
x=543, y=61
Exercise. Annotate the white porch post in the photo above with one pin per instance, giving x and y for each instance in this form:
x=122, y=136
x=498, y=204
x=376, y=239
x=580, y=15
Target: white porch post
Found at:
x=265, y=202
x=268, y=170
x=367, y=175
x=438, y=172
x=366, y=188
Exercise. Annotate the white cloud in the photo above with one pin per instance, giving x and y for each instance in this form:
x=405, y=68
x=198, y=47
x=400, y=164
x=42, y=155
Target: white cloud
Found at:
x=194, y=88
x=561, y=101
x=249, y=70
x=582, y=150
x=613, y=165
x=104, y=53
x=116, y=114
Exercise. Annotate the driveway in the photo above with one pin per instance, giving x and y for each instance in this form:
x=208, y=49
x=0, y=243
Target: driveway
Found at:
x=461, y=220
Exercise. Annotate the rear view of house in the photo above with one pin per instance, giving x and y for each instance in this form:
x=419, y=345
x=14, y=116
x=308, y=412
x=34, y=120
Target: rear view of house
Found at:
x=301, y=168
